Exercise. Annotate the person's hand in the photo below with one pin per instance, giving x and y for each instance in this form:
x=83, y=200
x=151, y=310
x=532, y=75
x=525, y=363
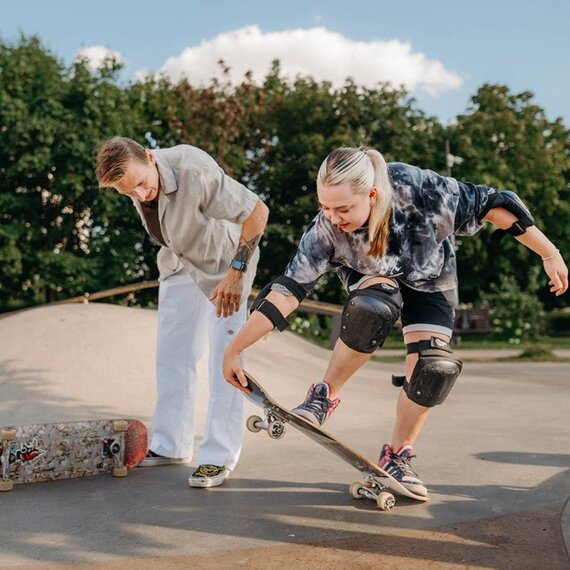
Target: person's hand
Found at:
x=558, y=272
x=227, y=295
x=233, y=371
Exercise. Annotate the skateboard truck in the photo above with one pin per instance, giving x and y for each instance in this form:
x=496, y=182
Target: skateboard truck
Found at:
x=372, y=489
x=6, y=436
x=274, y=427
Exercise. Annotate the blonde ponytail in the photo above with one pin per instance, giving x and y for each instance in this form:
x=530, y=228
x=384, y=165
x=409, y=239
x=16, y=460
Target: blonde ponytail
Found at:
x=379, y=222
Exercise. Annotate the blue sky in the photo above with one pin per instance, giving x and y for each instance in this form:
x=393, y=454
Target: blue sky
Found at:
x=442, y=50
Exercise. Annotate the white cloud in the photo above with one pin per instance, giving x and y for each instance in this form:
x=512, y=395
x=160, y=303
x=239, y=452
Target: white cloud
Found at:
x=317, y=52
x=96, y=56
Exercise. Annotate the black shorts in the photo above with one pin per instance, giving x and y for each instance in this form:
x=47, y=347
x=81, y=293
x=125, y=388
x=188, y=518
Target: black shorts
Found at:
x=421, y=311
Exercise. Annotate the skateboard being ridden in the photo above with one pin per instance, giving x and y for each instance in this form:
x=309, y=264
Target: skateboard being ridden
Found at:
x=376, y=483
x=47, y=452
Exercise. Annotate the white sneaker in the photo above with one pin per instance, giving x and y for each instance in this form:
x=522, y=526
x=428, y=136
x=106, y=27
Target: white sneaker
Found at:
x=208, y=476
x=152, y=459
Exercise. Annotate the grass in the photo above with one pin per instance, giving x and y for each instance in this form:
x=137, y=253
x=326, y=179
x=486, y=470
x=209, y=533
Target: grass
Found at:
x=539, y=351
x=485, y=342
x=388, y=358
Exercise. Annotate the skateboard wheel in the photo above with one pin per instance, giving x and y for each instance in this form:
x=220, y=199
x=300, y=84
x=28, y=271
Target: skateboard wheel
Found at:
x=252, y=423
x=385, y=501
x=120, y=471
x=276, y=429
x=7, y=434
x=120, y=425
x=354, y=490
x=6, y=485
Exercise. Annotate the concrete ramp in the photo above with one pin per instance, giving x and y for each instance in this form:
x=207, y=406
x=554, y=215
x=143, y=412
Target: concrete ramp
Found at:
x=495, y=458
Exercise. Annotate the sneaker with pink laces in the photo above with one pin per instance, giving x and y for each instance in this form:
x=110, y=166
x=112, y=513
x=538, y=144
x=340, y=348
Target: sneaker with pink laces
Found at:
x=317, y=406
x=398, y=465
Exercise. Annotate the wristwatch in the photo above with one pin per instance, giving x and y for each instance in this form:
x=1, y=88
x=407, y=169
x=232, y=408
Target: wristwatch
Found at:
x=238, y=265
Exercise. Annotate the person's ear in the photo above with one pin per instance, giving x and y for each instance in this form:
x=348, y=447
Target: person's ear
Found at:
x=373, y=195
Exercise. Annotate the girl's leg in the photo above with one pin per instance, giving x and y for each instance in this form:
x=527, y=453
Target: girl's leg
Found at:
x=411, y=417
x=364, y=329
x=424, y=316
x=343, y=364
x=345, y=361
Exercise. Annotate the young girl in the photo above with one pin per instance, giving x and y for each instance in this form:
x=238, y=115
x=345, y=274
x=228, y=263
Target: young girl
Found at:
x=385, y=229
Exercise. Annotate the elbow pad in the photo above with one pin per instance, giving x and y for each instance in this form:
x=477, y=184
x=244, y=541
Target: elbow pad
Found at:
x=268, y=309
x=296, y=289
x=511, y=202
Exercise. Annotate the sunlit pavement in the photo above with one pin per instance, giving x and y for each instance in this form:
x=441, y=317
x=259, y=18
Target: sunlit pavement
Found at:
x=495, y=458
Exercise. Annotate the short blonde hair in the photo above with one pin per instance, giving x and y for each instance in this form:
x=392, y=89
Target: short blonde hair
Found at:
x=113, y=158
x=363, y=168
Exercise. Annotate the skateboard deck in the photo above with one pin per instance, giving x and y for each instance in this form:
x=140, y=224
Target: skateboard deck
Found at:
x=376, y=482
x=52, y=451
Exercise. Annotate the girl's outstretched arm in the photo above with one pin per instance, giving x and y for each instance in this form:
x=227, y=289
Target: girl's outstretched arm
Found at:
x=536, y=241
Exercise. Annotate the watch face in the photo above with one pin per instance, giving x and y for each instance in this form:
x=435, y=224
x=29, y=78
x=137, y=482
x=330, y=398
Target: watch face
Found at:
x=239, y=265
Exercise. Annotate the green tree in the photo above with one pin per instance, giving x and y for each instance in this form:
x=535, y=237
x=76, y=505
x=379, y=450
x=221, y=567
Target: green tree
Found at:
x=517, y=315
x=60, y=235
x=54, y=238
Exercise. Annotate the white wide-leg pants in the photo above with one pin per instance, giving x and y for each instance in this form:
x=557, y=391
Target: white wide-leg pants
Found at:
x=185, y=319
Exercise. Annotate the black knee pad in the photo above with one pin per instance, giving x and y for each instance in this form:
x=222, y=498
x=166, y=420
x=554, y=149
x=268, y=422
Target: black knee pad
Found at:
x=369, y=315
x=435, y=372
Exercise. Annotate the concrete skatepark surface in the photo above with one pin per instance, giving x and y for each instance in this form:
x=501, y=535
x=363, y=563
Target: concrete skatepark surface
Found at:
x=495, y=458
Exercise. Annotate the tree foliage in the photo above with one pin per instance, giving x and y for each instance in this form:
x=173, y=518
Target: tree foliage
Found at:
x=61, y=235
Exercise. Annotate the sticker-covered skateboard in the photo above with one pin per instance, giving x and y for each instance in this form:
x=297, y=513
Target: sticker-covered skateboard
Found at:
x=376, y=483
x=48, y=452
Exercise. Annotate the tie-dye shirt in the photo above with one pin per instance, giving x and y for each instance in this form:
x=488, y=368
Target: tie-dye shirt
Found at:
x=427, y=210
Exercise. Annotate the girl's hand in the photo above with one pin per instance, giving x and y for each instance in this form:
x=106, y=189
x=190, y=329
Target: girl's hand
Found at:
x=233, y=371
x=556, y=269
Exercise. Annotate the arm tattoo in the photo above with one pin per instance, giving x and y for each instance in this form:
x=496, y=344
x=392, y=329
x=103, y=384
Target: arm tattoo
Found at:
x=246, y=248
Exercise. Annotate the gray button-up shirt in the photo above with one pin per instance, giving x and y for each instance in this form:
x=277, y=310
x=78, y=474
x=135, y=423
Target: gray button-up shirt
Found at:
x=200, y=211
